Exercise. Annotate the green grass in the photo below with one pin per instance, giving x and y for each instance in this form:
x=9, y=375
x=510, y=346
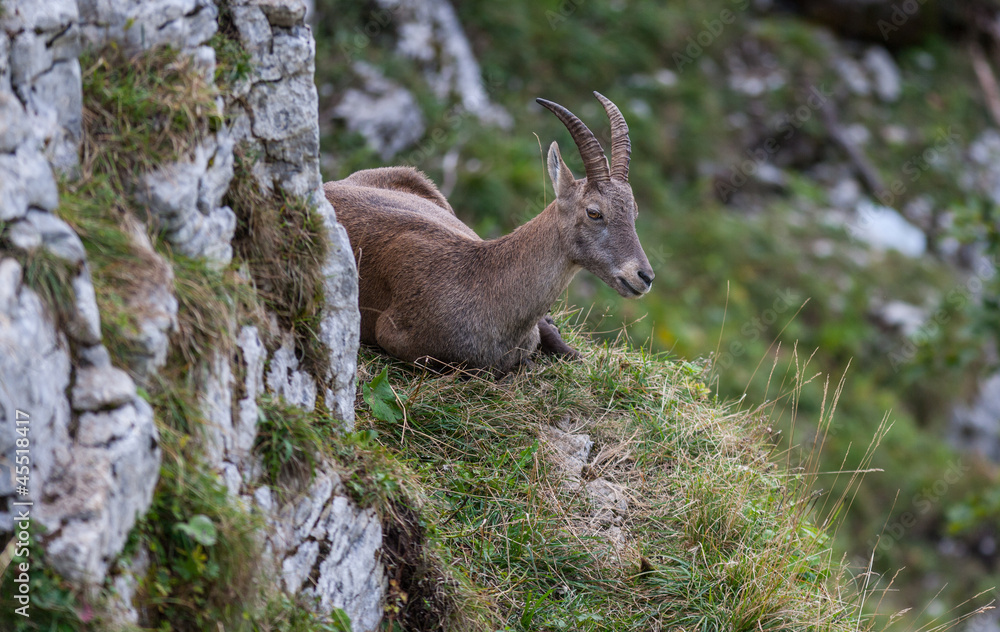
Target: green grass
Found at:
x=142, y=110
x=719, y=533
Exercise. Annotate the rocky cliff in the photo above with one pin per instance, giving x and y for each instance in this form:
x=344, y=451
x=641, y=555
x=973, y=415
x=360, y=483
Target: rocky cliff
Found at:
x=143, y=321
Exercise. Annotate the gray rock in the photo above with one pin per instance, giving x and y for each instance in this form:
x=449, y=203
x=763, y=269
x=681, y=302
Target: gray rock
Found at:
x=285, y=13
x=86, y=497
x=340, y=321
x=285, y=380
x=296, y=568
x=96, y=356
x=216, y=390
x=29, y=57
x=384, y=112
x=430, y=33
x=853, y=75
x=30, y=15
x=284, y=110
x=885, y=74
x=976, y=427
x=98, y=495
x=26, y=180
x=23, y=234
x=154, y=305
x=253, y=355
x=100, y=429
x=5, y=87
x=57, y=236
x=144, y=24
x=85, y=326
x=569, y=452
x=214, y=182
x=99, y=388
x=55, y=100
x=14, y=126
x=351, y=576
x=172, y=195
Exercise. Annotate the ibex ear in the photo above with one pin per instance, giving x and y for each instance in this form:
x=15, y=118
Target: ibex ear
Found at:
x=562, y=177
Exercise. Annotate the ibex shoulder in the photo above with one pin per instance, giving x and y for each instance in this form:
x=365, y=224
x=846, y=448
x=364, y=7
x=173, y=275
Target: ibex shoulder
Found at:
x=402, y=179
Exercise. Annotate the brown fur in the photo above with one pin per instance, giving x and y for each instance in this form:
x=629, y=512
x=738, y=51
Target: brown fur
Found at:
x=429, y=287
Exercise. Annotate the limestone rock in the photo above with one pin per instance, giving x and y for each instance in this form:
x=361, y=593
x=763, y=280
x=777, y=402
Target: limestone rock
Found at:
x=285, y=380
x=341, y=320
x=217, y=408
x=285, y=13
x=26, y=181
x=253, y=355
x=87, y=486
x=30, y=15
x=85, y=326
x=886, y=78
x=14, y=128
x=57, y=236
x=100, y=388
x=431, y=34
x=325, y=535
x=144, y=24
x=382, y=111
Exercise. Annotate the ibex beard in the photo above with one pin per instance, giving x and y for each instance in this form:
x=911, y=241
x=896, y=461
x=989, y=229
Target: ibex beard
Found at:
x=430, y=287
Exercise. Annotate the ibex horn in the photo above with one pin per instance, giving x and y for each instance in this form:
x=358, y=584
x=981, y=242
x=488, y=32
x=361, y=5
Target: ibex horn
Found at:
x=594, y=160
x=621, y=146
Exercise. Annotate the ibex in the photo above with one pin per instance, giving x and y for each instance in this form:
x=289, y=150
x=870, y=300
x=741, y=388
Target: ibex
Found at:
x=432, y=289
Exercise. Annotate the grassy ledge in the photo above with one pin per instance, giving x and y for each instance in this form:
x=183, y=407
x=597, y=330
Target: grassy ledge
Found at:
x=716, y=534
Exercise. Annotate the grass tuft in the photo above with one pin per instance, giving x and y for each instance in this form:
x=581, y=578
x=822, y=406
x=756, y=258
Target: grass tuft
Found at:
x=142, y=110
x=233, y=63
x=284, y=243
x=48, y=275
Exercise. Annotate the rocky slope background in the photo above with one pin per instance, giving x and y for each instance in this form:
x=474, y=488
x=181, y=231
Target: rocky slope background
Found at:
x=178, y=321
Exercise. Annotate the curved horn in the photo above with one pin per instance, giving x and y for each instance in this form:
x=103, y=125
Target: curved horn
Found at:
x=594, y=160
x=621, y=146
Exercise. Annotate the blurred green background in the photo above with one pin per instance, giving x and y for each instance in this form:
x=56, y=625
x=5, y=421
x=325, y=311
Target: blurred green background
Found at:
x=766, y=139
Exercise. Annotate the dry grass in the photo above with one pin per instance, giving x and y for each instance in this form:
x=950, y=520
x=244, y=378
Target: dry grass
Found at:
x=284, y=243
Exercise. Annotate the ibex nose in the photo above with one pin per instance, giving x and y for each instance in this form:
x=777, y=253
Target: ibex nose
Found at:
x=647, y=276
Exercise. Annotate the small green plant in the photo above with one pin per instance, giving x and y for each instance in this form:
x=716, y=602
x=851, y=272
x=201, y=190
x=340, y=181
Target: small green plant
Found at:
x=203, y=549
x=232, y=62
x=290, y=442
x=53, y=606
x=382, y=399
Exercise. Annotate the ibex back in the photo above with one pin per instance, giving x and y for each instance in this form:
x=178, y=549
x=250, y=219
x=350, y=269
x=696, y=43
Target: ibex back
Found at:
x=430, y=288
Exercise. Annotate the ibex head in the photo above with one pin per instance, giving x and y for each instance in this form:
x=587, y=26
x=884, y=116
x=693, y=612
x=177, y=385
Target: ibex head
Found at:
x=597, y=213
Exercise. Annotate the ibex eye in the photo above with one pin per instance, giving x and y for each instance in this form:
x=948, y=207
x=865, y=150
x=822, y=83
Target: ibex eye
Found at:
x=594, y=214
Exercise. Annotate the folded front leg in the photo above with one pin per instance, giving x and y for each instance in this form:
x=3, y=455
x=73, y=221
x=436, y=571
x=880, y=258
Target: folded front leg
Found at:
x=551, y=343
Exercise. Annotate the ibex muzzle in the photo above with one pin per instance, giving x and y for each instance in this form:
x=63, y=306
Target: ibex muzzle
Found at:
x=431, y=288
